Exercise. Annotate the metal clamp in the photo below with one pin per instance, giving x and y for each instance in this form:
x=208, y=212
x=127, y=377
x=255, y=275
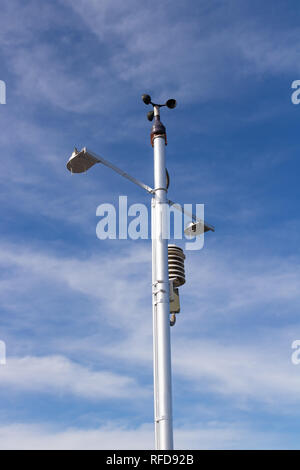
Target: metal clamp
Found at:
x=155, y=292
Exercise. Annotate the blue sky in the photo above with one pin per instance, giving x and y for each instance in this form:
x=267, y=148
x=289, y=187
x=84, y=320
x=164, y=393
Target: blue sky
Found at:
x=75, y=312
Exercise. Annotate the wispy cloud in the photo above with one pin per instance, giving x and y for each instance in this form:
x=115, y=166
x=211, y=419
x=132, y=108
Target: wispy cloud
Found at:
x=62, y=377
x=247, y=370
x=81, y=309
x=203, y=54
x=232, y=283
x=211, y=435
x=96, y=277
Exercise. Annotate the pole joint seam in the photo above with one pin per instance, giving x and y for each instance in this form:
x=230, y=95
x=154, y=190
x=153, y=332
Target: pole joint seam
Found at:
x=159, y=189
x=161, y=418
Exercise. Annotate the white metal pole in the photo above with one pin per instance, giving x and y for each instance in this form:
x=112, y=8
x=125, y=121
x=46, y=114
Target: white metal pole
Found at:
x=154, y=313
x=161, y=307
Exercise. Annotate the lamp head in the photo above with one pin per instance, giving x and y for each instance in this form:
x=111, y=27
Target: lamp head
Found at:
x=197, y=228
x=79, y=162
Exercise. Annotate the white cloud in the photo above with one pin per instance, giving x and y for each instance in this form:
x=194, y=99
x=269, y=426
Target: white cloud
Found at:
x=211, y=435
x=212, y=55
x=20, y=436
x=42, y=74
x=246, y=371
x=230, y=283
x=60, y=376
x=99, y=276
x=18, y=24
x=205, y=51
x=213, y=50
x=266, y=52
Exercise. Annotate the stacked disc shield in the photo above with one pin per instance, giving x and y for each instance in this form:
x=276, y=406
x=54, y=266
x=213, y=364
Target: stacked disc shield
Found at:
x=176, y=259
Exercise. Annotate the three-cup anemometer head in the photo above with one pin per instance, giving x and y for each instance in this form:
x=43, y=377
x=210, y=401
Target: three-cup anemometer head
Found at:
x=171, y=103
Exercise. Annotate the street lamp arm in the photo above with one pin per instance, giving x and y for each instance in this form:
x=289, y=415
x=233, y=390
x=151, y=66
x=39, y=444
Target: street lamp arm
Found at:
x=80, y=162
x=193, y=217
x=118, y=170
